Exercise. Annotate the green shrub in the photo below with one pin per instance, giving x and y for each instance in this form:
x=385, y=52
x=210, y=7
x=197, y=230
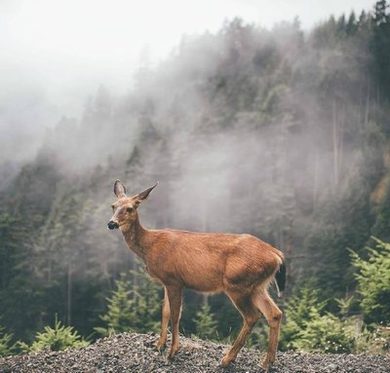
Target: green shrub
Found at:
x=298, y=312
x=324, y=333
x=135, y=305
x=373, y=279
x=308, y=327
x=57, y=338
x=6, y=345
x=379, y=340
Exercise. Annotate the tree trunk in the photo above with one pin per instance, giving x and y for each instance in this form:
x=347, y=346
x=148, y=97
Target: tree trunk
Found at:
x=335, y=142
x=69, y=296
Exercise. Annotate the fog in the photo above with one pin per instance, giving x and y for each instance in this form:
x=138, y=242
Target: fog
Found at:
x=55, y=54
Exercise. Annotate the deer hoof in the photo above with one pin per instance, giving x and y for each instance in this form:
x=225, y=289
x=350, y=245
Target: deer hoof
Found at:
x=226, y=360
x=265, y=364
x=160, y=345
x=172, y=353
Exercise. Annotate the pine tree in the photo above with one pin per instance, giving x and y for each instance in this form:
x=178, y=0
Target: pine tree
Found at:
x=56, y=338
x=133, y=306
x=373, y=279
x=381, y=45
x=351, y=24
x=205, y=323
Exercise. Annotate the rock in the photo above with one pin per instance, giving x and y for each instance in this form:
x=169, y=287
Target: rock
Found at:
x=331, y=367
x=136, y=353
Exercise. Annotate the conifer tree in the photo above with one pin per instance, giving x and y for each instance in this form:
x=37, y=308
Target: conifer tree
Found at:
x=56, y=338
x=133, y=306
x=373, y=279
x=205, y=323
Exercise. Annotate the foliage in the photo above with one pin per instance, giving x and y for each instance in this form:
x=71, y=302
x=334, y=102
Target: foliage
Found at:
x=205, y=323
x=380, y=44
x=345, y=305
x=6, y=345
x=373, y=279
x=378, y=340
x=133, y=306
x=57, y=338
x=299, y=311
x=309, y=327
x=323, y=333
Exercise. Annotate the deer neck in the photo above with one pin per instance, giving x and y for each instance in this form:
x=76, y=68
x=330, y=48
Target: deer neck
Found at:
x=135, y=237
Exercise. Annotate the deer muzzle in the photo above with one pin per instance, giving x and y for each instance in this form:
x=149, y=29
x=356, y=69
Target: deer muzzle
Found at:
x=112, y=225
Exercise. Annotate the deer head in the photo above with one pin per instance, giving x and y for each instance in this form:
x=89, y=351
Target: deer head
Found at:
x=125, y=208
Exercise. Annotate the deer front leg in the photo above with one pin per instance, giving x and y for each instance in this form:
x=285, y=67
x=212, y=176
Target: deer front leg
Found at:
x=175, y=299
x=166, y=314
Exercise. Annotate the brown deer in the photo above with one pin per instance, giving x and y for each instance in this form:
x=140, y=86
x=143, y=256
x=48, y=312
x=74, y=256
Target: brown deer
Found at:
x=240, y=265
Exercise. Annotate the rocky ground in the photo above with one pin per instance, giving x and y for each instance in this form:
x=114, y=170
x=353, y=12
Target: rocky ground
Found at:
x=136, y=353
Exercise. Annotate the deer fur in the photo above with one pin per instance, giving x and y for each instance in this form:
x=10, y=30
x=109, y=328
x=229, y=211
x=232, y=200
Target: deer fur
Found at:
x=240, y=265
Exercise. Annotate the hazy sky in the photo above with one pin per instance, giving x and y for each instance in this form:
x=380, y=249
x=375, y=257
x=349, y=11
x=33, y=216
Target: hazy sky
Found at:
x=62, y=50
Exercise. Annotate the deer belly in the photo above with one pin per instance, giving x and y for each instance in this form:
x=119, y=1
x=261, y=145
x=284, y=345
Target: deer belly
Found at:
x=202, y=278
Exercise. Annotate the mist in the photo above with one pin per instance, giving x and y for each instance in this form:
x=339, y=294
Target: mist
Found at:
x=56, y=55
x=229, y=153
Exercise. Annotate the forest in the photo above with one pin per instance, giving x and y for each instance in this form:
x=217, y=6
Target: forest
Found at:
x=280, y=133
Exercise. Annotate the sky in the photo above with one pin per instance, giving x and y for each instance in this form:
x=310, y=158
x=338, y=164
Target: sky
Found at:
x=59, y=52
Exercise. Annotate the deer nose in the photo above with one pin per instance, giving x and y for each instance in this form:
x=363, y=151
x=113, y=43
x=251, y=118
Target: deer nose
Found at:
x=112, y=225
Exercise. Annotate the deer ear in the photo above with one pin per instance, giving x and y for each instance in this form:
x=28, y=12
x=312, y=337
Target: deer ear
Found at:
x=119, y=189
x=143, y=195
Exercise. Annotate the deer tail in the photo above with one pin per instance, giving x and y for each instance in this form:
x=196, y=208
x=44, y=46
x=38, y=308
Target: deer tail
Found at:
x=280, y=279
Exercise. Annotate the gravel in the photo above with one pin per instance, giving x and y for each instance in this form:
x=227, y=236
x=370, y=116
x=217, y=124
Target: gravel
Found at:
x=136, y=353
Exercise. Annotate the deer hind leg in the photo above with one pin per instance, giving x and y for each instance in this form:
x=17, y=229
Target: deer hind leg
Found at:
x=175, y=300
x=166, y=314
x=273, y=315
x=250, y=315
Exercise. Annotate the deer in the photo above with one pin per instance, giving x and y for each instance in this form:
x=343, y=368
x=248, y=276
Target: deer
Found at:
x=240, y=265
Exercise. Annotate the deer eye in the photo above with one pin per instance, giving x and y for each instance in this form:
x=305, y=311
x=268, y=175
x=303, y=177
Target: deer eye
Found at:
x=129, y=209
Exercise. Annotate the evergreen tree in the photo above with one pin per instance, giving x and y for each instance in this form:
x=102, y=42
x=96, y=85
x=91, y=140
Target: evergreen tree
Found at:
x=133, y=306
x=351, y=24
x=56, y=338
x=381, y=45
x=373, y=279
x=308, y=327
x=205, y=323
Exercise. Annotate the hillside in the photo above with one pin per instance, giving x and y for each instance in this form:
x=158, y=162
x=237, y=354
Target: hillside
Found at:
x=136, y=353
